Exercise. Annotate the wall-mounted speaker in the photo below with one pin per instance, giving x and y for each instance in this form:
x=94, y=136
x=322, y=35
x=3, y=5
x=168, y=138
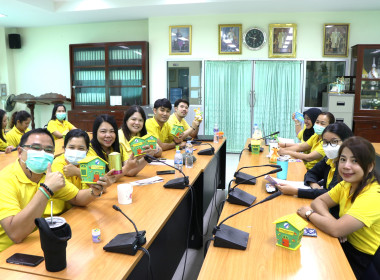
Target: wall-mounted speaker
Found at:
x=14, y=41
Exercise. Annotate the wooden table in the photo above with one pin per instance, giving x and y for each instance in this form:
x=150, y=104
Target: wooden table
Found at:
x=16, y=275
x=6, y=159
x=317, y=258
x=163, y=213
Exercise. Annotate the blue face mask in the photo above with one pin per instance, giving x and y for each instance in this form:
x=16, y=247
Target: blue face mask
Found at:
x=60, y=116
x=37, y=161
x=318, y=129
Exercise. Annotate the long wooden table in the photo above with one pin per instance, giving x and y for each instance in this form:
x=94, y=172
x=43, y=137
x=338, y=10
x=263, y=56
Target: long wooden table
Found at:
x=317, y=258
x=163, y=213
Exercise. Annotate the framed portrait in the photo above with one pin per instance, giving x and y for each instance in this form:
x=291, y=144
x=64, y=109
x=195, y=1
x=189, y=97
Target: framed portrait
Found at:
x=282, y=40
x=180, y=39
x=335, y=39
x=230, y=38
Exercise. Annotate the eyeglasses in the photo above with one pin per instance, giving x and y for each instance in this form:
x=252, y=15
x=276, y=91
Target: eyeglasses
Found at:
x=333, y=143
x=36, y=147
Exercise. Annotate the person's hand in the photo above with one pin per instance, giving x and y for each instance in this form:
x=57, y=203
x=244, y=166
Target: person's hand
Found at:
x=196, y=123
x=287, y=189
x=71, y=170
x=281, y=145
x=9, y=149
x=54, y=180
x=131, y=163
x=149, y=151
x=105, y=181
x=342, y=239
x=97, y=189
x=302, y=211
x=282, y=152
x=315, y=186
x=177, y=140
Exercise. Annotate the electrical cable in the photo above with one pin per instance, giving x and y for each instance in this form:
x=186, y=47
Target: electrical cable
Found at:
x=146, y=252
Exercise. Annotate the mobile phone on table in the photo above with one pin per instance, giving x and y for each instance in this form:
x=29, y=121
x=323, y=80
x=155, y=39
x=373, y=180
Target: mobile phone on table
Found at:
x=164, y=172
x=25, y=259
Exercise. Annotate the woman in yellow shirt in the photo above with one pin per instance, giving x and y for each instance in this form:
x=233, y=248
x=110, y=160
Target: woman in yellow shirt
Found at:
x=310, y=116
x=58, y=126
x=4, y=147
x=358, y=196
x=19, y=123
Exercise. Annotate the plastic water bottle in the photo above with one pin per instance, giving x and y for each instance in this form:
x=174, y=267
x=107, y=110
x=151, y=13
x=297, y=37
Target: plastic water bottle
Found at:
x=216, y=133
x=256, y=132
x=178, y=162
x=189, y=154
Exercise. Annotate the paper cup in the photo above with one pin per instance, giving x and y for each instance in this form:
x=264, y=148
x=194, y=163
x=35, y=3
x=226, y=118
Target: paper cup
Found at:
x=124, y=193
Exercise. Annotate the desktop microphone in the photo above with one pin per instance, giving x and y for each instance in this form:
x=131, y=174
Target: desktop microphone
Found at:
x=266, y=140
x=177, y=183
x=249, y=179
x=207, y=152
x=126, y=243
x=275, y=133
x=229, y=237
x=240, y=197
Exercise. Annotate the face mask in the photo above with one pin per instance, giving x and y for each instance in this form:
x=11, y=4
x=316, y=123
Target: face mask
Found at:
x=60, y=116
x=318, y=129
x=73, y=156
x=38, y=161
x=331, y=152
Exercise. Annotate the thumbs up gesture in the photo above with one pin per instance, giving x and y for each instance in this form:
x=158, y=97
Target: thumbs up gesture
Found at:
x=54, y=180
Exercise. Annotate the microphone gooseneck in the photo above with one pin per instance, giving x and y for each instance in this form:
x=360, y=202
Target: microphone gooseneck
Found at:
x=117, y=208
x=278, y=169
x=275, y=133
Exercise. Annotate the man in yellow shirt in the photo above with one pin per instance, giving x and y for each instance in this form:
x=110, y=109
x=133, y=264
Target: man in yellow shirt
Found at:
x=26, y=189
x=159, y=127
x=181, y=108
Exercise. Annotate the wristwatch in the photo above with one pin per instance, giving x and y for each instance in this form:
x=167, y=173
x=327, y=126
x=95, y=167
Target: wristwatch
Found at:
x=308, y=214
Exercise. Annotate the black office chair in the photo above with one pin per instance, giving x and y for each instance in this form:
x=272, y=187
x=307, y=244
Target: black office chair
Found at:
x=373, y=270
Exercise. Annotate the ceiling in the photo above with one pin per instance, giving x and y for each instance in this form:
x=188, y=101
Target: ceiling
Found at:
x=33, y=13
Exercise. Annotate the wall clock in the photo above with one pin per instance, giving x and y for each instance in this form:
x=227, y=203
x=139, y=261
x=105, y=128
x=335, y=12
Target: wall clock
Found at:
x=254, y=38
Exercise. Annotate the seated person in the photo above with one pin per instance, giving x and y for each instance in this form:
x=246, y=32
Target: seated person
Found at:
x=76, y=145
x=314, y=144
x=25, y=189
x=105, y=140
x=325, y=171
x=134, y=125
x=305, y=132
x=4, y=147
x=19, y=125
x=358, y=196
x=181, y=108
x=58, y=126
x=159, y=127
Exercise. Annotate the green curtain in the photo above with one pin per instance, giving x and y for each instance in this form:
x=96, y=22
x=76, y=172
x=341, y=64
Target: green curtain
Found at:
x=277, y=96
x=227, y=91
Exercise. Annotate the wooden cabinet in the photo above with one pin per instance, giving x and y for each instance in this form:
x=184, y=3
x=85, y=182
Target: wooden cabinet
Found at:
x=365, y=64
x=107, y=78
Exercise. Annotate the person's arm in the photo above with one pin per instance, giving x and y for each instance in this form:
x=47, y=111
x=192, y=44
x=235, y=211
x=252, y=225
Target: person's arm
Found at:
x=71, y=170
x=298, y=147
x=287, y=145
x=57, y=134
x=316, y=174
x=9, y=149
x=195, y=127
x=306, y=157
x=19, y=226
x=297, y=124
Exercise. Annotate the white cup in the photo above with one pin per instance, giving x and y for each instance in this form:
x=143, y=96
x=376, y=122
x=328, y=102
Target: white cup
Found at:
x=124, y=193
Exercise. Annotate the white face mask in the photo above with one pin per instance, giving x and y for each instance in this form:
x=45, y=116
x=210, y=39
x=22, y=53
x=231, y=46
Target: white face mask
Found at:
x=73, y=156
x=331, y=152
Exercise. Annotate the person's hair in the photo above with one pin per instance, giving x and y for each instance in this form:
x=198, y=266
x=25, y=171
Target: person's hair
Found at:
x=20, y=116
x=312, y=113
x=25, y=137
x=77, y=133
x=163, y=102
x=53, y=116
x=365, y=156
x=133, y=109
x=176, y=103
x=94, y=141
x=2, y=114
x=329, y=115
x=340, y=129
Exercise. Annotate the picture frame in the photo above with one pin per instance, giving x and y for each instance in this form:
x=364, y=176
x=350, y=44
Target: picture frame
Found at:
x=335, y=39
x=180, y=40
x=282, y=40
x=230, y=39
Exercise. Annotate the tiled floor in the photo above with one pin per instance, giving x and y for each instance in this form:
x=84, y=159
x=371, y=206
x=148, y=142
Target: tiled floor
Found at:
x=195, y=257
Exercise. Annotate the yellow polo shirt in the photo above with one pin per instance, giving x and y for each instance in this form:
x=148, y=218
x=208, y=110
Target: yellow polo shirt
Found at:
x=3, y=145
x=13, y=137
x=300, y=134
x=162, y=133
x=174, y=120
x=316, y=145
x=59, y=205
x=123, y=153
x=62, y=127
x=366, y=208
x=17, y=191
x=125, y=143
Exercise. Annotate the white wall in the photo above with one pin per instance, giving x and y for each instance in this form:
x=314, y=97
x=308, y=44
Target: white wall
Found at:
x=364, y=29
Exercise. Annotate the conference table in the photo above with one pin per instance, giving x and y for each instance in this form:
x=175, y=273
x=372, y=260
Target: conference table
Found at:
x=318, y=257
x=163, y=213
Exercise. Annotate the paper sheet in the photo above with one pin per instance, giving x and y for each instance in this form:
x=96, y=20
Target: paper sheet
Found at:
x=147, y=181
